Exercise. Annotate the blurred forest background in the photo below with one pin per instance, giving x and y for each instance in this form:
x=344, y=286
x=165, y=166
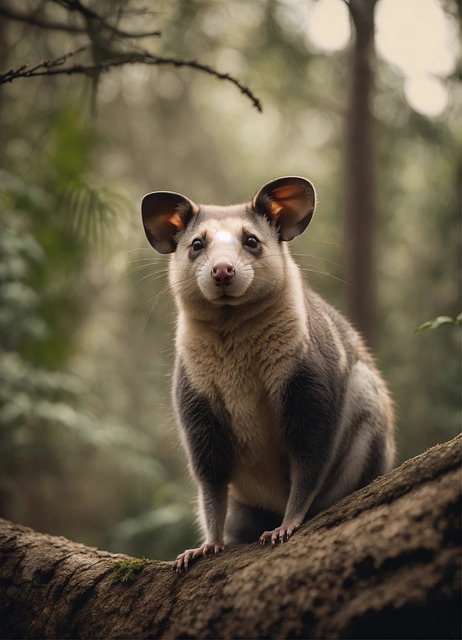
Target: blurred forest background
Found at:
x=88, y=444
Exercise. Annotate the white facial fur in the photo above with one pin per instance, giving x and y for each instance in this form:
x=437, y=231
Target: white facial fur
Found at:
x=224, y=247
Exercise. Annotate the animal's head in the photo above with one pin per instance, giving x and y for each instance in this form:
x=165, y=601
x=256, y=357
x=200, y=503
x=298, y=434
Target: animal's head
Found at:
x=229, y=255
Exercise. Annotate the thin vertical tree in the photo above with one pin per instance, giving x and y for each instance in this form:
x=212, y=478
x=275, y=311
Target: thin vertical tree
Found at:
x=361, y=175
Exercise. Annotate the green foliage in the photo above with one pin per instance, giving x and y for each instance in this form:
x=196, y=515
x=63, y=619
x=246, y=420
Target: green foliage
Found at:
x=49, y=230
x=18, y=300
x=37, y=402
x=93, y=214
x=439, y=322
x=68, y=147
x=26, y=391
x=31, y=397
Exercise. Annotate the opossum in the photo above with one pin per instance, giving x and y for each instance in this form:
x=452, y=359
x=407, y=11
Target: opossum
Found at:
x=281, y=408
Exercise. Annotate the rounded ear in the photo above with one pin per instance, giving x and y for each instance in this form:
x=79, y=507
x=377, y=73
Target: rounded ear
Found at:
x=165, y=213
x=290, y=202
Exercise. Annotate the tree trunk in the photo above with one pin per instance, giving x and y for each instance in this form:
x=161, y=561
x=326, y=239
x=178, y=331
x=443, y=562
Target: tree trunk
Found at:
x=360, y=176
x=382, y=563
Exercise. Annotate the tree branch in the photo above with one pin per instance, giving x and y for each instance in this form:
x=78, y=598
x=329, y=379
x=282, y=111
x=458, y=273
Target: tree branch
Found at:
x=90, y=14
x=46, y=67
x=56, y=67
x=384, y=562
x=36, y=21
x=105, y=56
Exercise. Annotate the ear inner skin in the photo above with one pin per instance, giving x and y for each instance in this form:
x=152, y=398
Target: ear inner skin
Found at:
x=165, y=214
x=290, y=202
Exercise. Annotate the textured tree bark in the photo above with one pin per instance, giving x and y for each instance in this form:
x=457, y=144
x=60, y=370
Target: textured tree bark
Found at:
x=383, y=563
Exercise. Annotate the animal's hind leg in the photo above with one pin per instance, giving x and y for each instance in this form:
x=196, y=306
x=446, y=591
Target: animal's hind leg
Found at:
x=244, y=523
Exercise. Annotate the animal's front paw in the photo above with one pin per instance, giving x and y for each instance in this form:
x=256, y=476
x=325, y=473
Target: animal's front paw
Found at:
x=280, y=534
x=182, y=561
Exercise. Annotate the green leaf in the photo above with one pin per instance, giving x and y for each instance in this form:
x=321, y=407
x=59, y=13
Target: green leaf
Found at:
x=438, y=322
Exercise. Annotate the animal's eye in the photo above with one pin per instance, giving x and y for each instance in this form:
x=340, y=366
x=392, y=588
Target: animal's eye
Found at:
x=197, y=244
x=251, y=241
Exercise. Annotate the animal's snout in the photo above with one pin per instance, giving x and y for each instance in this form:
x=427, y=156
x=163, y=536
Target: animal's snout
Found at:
x=223, y=273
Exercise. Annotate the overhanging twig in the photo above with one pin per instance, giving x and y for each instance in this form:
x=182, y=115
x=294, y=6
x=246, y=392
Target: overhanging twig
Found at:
x=37, y=21
x=56, y=67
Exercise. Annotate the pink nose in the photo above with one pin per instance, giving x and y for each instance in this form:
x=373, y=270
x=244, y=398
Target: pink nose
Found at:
x=223, y=273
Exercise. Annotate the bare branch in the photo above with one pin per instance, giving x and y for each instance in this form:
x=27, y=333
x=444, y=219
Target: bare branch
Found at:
x=56, y=67
x=46, y=67
x=105, y=56
x=36, y=21
x=89, y=14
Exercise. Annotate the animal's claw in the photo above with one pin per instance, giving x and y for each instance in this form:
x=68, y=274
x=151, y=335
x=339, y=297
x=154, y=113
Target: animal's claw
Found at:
x=279, y=535
x=183, y=559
